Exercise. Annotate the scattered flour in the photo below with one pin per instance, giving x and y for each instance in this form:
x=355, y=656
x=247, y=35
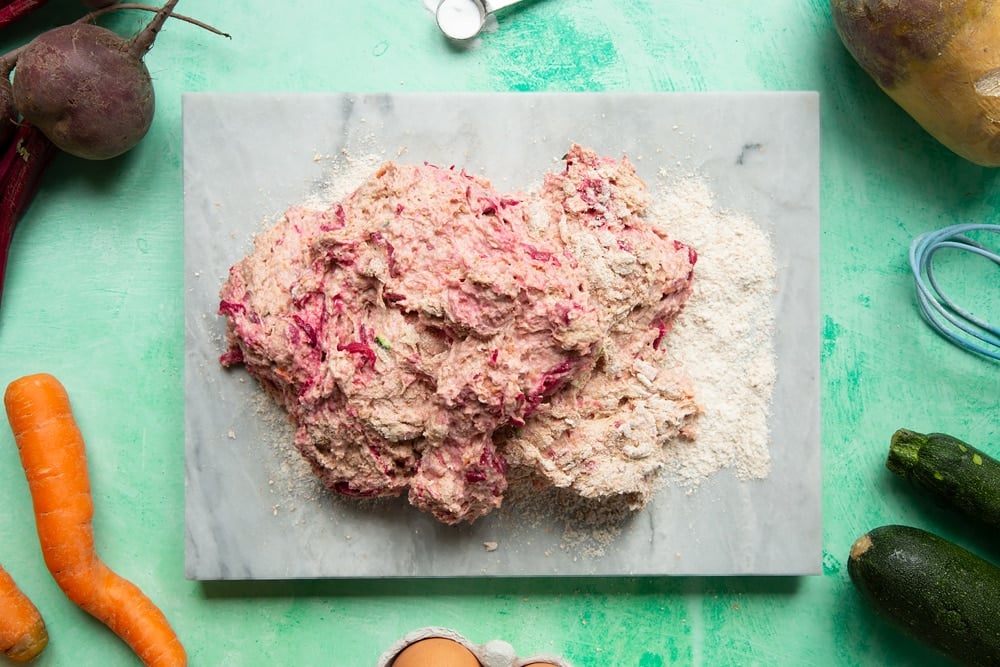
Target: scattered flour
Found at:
x=724, y=336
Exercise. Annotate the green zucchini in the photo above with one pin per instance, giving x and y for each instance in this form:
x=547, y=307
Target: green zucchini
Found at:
x=933, y=588
x=954, y=472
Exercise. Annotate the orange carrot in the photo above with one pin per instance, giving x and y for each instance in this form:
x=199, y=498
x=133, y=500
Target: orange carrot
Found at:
x=55, y=463
x=22, y=630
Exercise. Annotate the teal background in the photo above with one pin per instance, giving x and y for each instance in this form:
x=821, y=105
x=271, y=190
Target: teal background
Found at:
x=94, y=295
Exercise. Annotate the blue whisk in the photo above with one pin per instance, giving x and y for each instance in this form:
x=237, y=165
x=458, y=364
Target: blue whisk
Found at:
x=945, y=316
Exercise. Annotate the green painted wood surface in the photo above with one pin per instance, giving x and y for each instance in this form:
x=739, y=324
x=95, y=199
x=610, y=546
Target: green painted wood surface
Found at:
x=95, y=295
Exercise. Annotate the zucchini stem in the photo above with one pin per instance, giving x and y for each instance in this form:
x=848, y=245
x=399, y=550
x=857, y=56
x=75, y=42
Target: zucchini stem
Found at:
x=904, y=451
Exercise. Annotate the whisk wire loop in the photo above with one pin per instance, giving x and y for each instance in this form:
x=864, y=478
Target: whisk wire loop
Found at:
x=942, y=313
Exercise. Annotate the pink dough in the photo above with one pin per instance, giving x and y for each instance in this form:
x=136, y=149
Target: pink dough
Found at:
x=428, y=332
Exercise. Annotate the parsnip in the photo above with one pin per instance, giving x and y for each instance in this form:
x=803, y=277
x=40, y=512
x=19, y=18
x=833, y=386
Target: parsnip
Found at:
x=938, y=59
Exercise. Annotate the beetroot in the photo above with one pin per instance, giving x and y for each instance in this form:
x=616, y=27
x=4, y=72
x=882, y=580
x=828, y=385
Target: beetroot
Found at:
x=18, y=9
x=12, y=10
x=78, y=88
x=22, y=164
x=8, y=112
x=87, y=88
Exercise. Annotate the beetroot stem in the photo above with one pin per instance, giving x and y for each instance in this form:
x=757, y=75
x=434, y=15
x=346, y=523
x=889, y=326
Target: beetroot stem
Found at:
x=120, y=6
x=18, y=9
x=143, y=41
x=23, y=163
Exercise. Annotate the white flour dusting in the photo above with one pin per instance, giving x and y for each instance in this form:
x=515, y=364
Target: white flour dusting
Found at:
x=725, y=334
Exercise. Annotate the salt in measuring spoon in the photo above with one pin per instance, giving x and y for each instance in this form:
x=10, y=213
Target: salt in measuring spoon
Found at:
x=463, y=19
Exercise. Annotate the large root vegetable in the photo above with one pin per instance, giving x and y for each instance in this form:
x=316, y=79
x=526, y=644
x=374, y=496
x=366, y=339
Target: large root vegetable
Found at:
x=938, y=59
x=54, y=457
x=78, y=88
x=87, y=88
x=23, y=634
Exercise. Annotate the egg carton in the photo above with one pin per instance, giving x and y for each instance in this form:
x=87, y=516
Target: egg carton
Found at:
x=494, y=653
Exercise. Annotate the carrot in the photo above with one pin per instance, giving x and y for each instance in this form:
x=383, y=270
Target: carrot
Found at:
x=55, y=463
x=22, y=630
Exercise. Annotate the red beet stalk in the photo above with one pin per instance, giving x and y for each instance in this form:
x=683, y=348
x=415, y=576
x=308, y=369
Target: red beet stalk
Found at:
x=17, y=9
x=21, y=168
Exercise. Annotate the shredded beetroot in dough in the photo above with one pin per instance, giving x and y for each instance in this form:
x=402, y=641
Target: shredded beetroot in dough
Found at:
x=427, y=333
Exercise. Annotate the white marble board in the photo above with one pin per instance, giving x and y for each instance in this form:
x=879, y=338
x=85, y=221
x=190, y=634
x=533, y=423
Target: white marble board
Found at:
x=249, y=512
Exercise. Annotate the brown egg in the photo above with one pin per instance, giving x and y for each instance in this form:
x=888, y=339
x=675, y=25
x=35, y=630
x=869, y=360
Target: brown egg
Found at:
x=435, y=652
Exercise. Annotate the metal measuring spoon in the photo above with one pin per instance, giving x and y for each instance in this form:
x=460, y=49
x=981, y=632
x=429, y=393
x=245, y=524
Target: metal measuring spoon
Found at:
x=463, y=19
